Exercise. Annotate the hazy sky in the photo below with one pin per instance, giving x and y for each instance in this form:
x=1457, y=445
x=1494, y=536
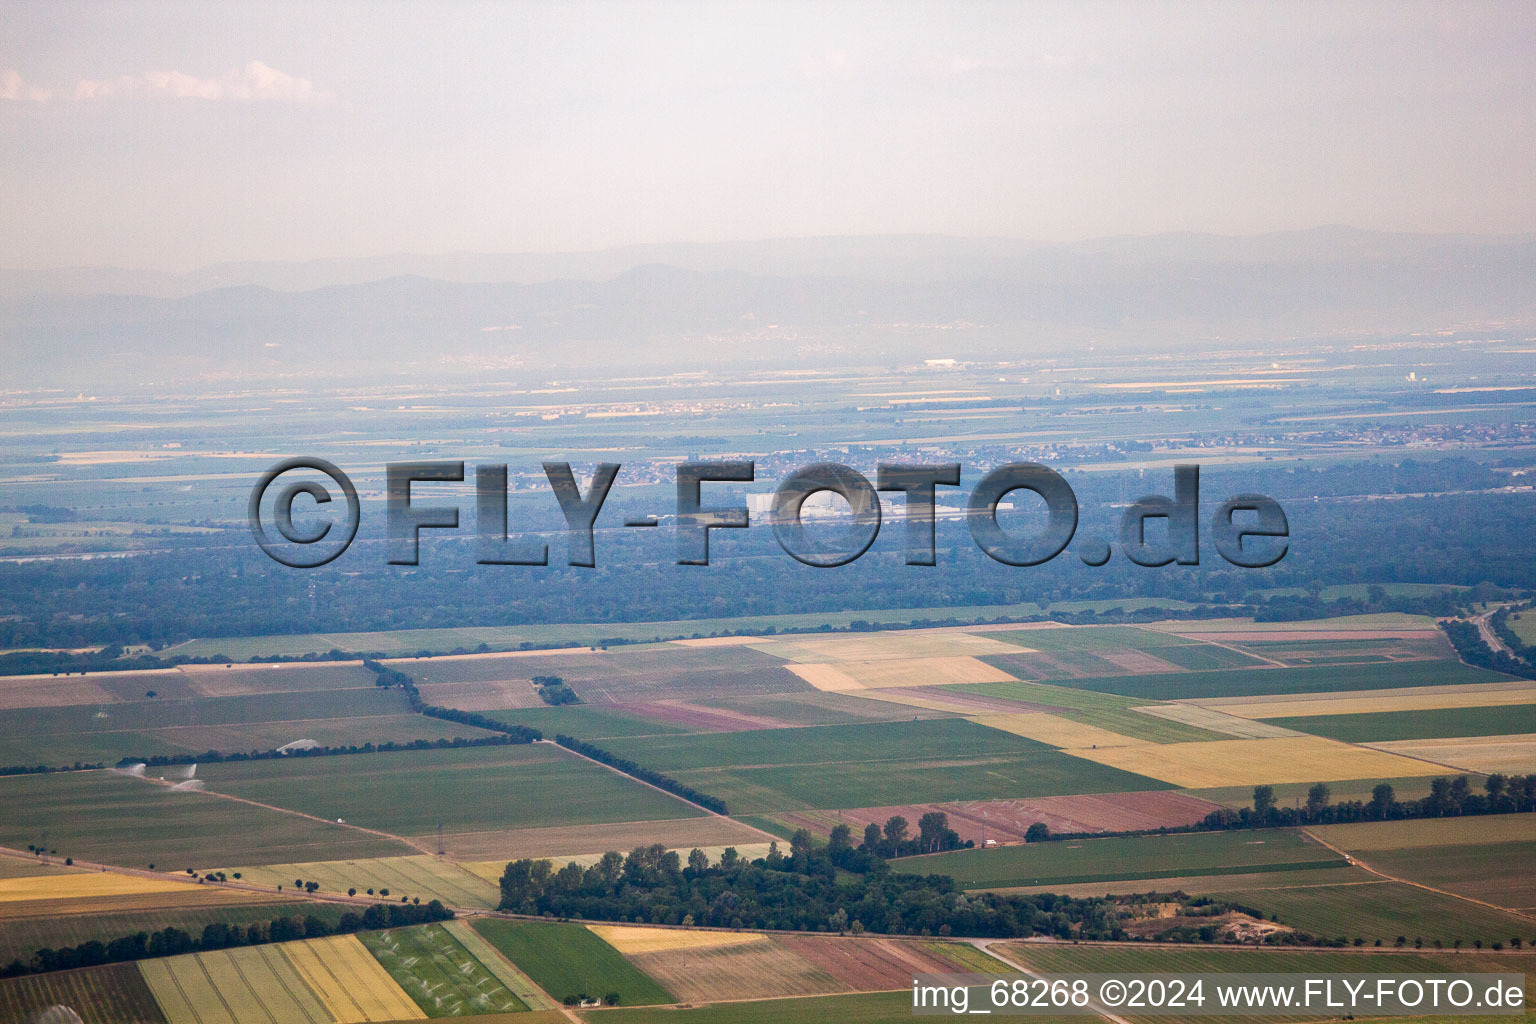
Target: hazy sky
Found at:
x=168, y=136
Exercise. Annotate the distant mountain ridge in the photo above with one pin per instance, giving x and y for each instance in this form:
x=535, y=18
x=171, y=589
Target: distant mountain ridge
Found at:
x=781, y=301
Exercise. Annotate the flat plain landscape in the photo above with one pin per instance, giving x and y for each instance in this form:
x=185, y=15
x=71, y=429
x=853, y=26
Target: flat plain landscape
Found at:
x=1082, y=729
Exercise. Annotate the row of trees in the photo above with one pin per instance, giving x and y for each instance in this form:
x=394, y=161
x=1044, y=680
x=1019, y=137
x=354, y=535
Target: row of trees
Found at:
x=643, y=773
x=1472, y=650
x=387, y=677
x=1448, y=797
x=220, y=935
x=216, y=756
x=803, y=890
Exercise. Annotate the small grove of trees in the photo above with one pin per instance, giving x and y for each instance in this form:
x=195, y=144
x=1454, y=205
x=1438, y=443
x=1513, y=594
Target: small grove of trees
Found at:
x=1448, y=797
x=220, y=935
x=643, y=773
x=894, y=839
x=552, y=690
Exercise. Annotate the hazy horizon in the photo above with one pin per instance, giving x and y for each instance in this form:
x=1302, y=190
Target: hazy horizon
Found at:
x=179, y=136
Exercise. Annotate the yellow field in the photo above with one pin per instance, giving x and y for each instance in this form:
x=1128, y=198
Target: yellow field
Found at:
x=1254, y=762
x=1216, y=720
x=826, y=677
x=660, y=940
x=885, y=646
x=846, y=676
x=418, y=875
x=1425, y=698
x=1058, y=732
x=256, y=985
x=1487, y=754
x=349, y=981
x=84, y=885
x=719, y=641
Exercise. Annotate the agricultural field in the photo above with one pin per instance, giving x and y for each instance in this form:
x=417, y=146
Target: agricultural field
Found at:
x=1485, y=754
x=1384, y=910
x=1275, y=680
x=21, y=937
x=568, y=960
x=926, y=761
x=245, y=718
x=710, y=966
x=869, y=1008
x=439, y=973
x=429, y=878
x=233, y=986
x=115, y=994
x=413, y=792
x=1253, y=762
x=121, y=819
x=516, y=982
x=1131, y=858
x=625, y=674
x=1441, y=723
x=349, y=982
x=568, y=842
x=1485, y=858
x=1009, y=820
x=1355, y=702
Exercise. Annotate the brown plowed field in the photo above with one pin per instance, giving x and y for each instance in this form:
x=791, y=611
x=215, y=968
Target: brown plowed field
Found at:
x=97, y=688
x=754, y=970
x=865, y=964
x=1007, y=820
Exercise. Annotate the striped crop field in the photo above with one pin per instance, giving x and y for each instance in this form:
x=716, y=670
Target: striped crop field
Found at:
x=439, y=973
x=353, y=985
x=232, y=986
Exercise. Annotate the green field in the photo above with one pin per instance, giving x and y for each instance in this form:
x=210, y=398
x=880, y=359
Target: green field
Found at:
x=1385, y=910
x=21, y=937
x=1486, y=857
x=468, y=789
x=929, y=739
x=590, y=722
x=142, y=728
x=1379, y=726
x=439, y=974
x=873, y=1008
x=871, y=765
x=1106, y=710
x=1261, y=681
x=118, y=819
x=100, y=995
x=1131, y=857
x=567, y=960
x=1204, y=657
x=1151, y=960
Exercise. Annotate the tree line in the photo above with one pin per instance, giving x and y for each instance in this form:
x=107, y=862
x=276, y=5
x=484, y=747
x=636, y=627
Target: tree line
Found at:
x=387, y=677
x=1448, y=797
x=1471, y=649
x=643, y=773
x=173, y=941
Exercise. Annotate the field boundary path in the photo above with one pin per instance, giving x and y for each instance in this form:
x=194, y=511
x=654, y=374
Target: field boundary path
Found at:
x=690, y=803
x=1357, y=862
x=985, y=945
